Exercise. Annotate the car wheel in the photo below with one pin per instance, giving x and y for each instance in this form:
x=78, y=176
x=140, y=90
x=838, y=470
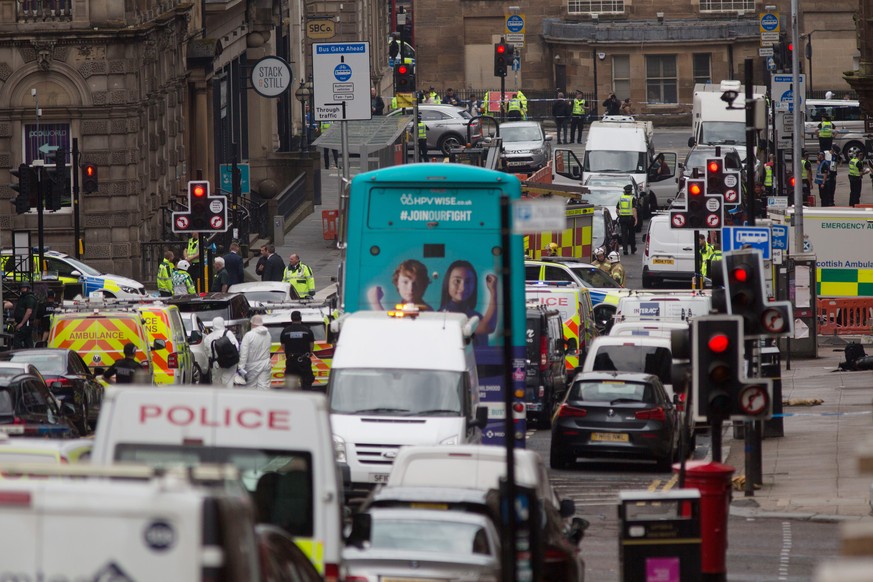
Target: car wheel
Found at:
x=854, y=147
x=557, y=460
x=197, y=375
x=603, y=315
x=449, y=142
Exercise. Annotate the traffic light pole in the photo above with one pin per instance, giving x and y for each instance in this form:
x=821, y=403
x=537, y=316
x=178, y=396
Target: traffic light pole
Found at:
x=40, y=202
x=697, y=261
x=510, y=541
x=502, y=97
x=77, y=233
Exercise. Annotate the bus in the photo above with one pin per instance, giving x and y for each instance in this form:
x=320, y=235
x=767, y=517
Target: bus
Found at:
x=438, y=225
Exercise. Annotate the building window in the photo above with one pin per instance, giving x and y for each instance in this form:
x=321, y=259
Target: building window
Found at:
x=661, y=79
x=44, y=10
x=701, y=66
x=621, y=76
x=727, y=5
x=595, y=6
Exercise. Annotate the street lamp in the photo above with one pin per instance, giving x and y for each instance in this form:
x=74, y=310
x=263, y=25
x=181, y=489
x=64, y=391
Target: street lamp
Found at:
x=302, y=93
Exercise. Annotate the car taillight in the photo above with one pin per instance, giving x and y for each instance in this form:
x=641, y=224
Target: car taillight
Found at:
x=332, y=573
x=544, y=353
x=680, y=406
x=58, y=382
x=646, y=250
x=651, y=414
x=566, y=411
x=173, y=360
x=18, y=420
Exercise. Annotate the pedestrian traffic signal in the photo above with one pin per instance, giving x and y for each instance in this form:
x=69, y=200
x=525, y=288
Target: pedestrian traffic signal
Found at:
x=404, y=78
x=746, y=297
x=502, y=58
x=26, y=188
x=90, y=183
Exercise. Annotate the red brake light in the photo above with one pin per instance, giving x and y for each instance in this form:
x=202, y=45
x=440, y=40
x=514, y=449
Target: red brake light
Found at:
x=718, y=343
x=58, y=381
x=651, y=414
x=331, y=573
x=567, y=411
x=544, y=353
x=173, y=360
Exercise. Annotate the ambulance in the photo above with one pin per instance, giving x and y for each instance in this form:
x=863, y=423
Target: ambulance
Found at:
x=316, y=319
x=123, y=523
x=573, y=302
x=280, y=441
x=174, y=363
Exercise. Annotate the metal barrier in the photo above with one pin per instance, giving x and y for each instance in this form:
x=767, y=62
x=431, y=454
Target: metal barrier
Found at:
x=845, y=315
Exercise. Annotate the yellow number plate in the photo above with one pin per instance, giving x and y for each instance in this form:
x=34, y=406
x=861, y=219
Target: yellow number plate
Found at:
x=610, y=437
x=662, y=261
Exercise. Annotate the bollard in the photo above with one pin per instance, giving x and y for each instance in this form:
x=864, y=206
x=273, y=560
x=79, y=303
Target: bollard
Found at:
x=278, y=230
x=713, y=480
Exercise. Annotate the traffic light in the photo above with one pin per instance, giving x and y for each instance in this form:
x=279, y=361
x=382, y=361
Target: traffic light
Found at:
x=90, y=182
x=714, y=176
x=26, y=188
x=502, y=58
x=745, y=296
x=56, y=181
x=716, y=364
x=198, y=197
x=696, y=198
x=404, y=78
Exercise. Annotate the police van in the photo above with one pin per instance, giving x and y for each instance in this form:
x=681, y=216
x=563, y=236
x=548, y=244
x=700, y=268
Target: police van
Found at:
x=124, y=523
x=279, y=441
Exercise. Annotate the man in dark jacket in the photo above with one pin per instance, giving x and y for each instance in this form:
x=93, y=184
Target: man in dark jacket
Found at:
x=234, y=264
x=612, y=105
x=124, y=369
x=561, y=113
x=275, y=267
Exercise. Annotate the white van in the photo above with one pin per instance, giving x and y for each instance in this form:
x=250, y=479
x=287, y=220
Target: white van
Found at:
x=279, y=441
x=848, y=120
x=668, y=254
x=398, y=381
x=679, y=306
x=645, y=327
x=125, y=523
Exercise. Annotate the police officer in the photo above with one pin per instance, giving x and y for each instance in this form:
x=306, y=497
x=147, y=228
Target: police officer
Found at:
x=513, y=111
x=182, y=282
x=627, y=218
x=192, y=255
x=165, y=275
x=768, y=176
x=24, y=316
x=854, y=179
x=806, y=174
x=421, y=130
x=299, y=343
x=825, y=134
x=577, y=118
x=299, y=276
x=124, y=369
x=706, y=251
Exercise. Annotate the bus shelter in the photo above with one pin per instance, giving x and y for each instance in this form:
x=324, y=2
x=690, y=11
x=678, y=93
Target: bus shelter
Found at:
x=375, y=143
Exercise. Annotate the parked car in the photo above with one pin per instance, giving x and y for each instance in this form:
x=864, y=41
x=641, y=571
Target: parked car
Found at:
x=28, y=408
x=546, y=375
x=615, y=415
x=196, y=331
x=67, y=377
x=421, y=544
x=605, y=190
x=233, y=307
x=260, y=293
x=446, y=126
x=526, y=148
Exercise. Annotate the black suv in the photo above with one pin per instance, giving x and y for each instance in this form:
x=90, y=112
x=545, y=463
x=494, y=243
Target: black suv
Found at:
x=546, y=378
x=233, y=307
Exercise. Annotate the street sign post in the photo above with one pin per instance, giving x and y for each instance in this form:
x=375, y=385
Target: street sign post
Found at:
x=341, y=81
x=734, y=238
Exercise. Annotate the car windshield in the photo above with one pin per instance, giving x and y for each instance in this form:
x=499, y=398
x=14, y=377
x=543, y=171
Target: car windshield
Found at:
x=723, y=132
x=82, y=267
x=609, y=391
x=280, y=482
x=47, y=364
x=432, y=536
x=614, y=161
x=594, y=277
x=617, y=181
x=396, y=392
x=603, y=196
x=521, y=133
x=654, y=360
x=697, y=158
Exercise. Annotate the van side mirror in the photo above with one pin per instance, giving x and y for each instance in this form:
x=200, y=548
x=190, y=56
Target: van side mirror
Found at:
x=691, y=142
x=576, y=173
x=570, y=346
x=481, y=418
x=361, y=525
x=568, y=508
x=577, y=529
x=160, y=345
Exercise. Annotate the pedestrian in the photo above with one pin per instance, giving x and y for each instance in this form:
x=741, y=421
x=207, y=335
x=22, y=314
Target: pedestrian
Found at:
x=299, y=343
x=854, y=179
x=183, y=284
x=165, y=275
x=377, y=104
x=831, y=182
x=124, y=370
x=421, y=132
x=299, y=276
x=626, y=108
x=323, y=127
x=255, y=365
x=274, y=269
x=826, y=132
x=192, y=255
x=577, y=119
x=221, y=278
x=233, y=262
x=262, y=262
x=451, y=98
x=821, y=174
x=768, y=175
x=44, y=314
x=221, y=376
x=612, y=105
x=24, y=315
x=806, y=174
x=627, y=219
x=561, y=114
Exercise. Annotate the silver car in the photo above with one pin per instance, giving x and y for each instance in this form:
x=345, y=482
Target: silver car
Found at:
x=422, y=544
x=526, y=148
x=446, y=126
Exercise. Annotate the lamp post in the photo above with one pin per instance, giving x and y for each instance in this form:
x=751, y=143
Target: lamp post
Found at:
x=302, y=94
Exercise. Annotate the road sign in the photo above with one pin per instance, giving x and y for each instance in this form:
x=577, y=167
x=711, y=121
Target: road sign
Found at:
x=514, y=24
x=532, y=216
x=511, y=38
x=678, y=220
x=779, y=237
x=734, y=238
x=341, y=81
x=320, y=29
x=769, y=22
x=227, y=178
x=777, y=201
x=516, y=64
x=271, y=77
x=765, y=51
x=783, y=92
x=770, y=36
x=771, y=64
x=182, y=222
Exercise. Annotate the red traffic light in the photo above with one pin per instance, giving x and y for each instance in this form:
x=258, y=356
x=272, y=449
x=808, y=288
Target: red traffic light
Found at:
x=694, y=189
x=792, y=181
x=89, y=171
x=790, y=46
x=740, y=275
x=501, y=48
x=718, y=343
x=713, y=166
x=402, y=70
x=198, y=189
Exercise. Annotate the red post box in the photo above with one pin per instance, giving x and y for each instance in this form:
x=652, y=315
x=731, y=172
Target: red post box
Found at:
x=713, y=480
x=328, y=223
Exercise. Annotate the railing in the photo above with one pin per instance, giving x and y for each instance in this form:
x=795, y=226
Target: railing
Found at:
x=293, y=196
x=44, y=10
x=845, y=315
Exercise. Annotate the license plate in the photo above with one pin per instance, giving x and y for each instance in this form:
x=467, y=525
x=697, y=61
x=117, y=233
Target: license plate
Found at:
x=516, y=163
x=662, y=261
x=378, y=477
x=610, y=437
x=535, y=406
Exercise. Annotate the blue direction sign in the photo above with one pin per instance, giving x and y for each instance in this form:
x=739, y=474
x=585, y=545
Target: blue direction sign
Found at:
x=515, y=23
x=734, y=238
x=769, y=22
x=780, y=237
x=227, y=178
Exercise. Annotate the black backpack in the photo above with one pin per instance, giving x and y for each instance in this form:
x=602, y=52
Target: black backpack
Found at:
x=224, y=352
